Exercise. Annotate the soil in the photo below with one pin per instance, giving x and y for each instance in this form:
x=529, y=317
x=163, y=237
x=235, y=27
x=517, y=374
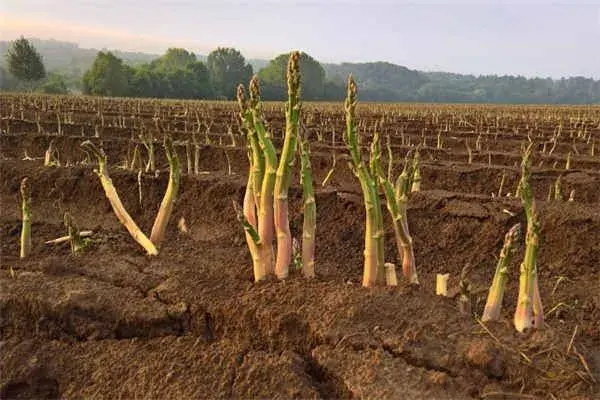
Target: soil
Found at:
x=112, y=322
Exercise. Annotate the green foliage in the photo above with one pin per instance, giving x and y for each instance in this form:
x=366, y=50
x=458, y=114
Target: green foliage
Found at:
x=227, y=68
x=273, y=78
x=54, y=84
x=379, y=81
x=24, y=62
x=174, y=59
x=177, y=74
x=109, y=76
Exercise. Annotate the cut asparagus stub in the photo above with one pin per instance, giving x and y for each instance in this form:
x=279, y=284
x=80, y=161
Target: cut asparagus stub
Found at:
x=115, y=201
x=390, y=274
x=168, y=203
x=441, y=284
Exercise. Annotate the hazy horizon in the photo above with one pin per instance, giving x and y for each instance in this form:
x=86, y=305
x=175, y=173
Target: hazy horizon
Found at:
x=534, y=40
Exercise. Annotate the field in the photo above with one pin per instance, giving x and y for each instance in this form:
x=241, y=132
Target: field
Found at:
x=112, y=322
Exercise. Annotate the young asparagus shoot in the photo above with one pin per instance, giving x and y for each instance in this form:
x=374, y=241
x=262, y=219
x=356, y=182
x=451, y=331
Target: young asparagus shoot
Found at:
x=284, y=170
x=247, y=216
x=496, y=293
x=115, y=201
x=396, y=200
x=258, y=200
x=265, y=207
x=75, y=239
x=374, y=272
x=529, y=312
x=168, y=203
x=310, y=210
x=26, y=218
x=51, y=156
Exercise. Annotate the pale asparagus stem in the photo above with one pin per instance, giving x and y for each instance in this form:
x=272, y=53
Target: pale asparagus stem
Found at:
x=374, y=163
x=330, y=173
x=188, y=157
x=260, y=251
x=374, y=264
x=136, y=159
x=148, y=142
x=168, y=203
x=493, y=305
x=396, y=204
x=416, y=178
x=115, y=201
x=501, y=183
x=310, y=211
x=409, y=265
x=257, y=161
x=390, y=158
x=26, y=216
x=529, y=312
x=284, y=170
x=51, y=157
x=247, y=218
x=265, y=209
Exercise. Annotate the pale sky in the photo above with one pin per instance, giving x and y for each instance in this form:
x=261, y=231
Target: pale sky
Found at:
x=478, y=37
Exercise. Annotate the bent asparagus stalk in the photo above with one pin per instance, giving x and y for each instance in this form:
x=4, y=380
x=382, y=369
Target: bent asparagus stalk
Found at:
x=496, y=293
x=374, y=272
x=284, y=170
x=115, y=201
x=265, y=208
x=26, y=215
x=168, y=202
x=529, y=312
x=257, y=158
x=396, y=199
x=310, y=210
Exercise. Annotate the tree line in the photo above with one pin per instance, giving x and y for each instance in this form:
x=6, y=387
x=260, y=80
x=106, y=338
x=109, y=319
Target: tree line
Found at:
x=180, y=73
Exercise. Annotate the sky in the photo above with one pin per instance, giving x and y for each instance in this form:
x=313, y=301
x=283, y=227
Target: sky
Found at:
x=530, y=38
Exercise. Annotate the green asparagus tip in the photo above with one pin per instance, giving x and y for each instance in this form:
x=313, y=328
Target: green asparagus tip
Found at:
x=25, y=188
x=351, y=96
x=254, y=91
x=241, y=98
x=293, y=74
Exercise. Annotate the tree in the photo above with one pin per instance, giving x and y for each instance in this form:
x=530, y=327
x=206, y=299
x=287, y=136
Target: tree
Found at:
x=273, y=78
x=227, y=68
x=108, y=76
x=55, y=84
x=24, y=62
x=176, y=74
x=174, y=59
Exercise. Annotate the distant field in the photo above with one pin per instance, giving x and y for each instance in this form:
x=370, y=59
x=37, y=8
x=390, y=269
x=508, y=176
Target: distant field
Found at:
x=191, y=323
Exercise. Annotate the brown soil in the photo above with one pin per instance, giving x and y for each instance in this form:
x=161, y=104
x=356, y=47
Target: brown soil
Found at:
x=191, y=323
